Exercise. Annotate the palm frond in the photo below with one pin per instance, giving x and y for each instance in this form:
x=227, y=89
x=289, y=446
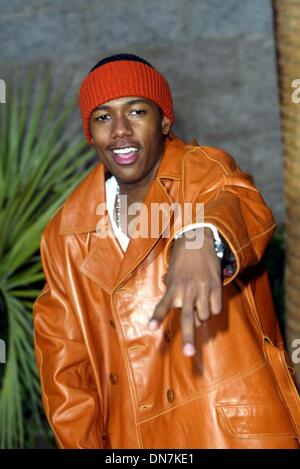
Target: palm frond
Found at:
x=40, y=164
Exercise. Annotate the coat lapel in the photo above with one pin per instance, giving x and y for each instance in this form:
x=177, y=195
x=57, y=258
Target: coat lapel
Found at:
x=82, y=213
x=139, y=247
x=103, y=262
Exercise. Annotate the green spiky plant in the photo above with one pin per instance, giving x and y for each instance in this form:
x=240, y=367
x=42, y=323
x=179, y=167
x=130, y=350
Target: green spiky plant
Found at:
x=40, y=164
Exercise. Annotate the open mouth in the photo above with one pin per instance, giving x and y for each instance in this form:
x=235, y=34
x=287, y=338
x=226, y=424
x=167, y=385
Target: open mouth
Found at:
x=125, y=155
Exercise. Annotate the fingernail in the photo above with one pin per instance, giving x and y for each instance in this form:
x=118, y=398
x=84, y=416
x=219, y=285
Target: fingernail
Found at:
x=189, y=350
x=153, y=324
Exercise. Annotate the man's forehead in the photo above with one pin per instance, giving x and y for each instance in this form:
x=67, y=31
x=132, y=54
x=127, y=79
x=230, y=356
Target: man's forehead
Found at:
x=127, y=100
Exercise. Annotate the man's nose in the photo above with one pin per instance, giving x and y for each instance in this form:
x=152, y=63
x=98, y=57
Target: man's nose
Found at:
x=121, y=127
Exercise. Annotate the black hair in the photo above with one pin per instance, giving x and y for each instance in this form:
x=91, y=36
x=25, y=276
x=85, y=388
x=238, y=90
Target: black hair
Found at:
x=117, y=57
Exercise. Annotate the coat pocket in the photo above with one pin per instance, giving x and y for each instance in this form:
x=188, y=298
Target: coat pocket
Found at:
x=256, y=420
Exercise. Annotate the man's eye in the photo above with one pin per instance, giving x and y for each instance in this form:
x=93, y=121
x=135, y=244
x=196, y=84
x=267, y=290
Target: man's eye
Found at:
x=102, y=118
x=138, y=112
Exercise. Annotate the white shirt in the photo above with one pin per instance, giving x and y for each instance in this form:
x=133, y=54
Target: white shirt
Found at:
x=111, y=186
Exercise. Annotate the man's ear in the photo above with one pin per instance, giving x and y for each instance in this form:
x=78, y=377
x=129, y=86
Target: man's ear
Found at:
x=92, y=141
x=165, y=125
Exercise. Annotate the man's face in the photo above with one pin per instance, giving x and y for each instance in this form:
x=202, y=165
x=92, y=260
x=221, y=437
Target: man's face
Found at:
x=128, y=135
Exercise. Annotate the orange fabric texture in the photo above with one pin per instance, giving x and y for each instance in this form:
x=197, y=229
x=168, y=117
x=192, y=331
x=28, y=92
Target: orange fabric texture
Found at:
x=123, y=78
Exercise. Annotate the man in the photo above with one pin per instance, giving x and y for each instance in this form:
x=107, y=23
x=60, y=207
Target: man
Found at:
x=159, y=340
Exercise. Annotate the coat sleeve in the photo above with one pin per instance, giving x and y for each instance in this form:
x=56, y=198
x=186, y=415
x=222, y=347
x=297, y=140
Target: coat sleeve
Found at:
x=231, y=203
x=68, y=390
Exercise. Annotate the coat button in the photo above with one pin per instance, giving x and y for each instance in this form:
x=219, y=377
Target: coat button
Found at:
x=112, y=323
x=167, y=335
x=170, y=395
x=113, y=378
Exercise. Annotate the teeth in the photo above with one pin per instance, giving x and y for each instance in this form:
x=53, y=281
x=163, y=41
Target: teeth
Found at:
x=124, y=151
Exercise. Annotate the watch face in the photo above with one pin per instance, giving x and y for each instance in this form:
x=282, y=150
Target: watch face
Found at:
x=219, y=249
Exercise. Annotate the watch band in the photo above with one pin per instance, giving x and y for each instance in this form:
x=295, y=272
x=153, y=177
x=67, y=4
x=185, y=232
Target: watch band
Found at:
x=219, y=246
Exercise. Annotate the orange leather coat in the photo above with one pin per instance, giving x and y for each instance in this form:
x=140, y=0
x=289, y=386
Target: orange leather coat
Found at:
x=107, y=380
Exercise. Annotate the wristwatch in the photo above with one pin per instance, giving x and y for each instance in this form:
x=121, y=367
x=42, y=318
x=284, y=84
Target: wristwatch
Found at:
x=218, y=244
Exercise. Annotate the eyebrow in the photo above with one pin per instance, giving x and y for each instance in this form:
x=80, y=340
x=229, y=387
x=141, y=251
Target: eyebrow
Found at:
x=104, y=107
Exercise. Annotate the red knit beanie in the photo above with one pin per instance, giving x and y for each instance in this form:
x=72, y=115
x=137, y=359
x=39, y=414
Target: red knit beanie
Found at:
x=119, y=78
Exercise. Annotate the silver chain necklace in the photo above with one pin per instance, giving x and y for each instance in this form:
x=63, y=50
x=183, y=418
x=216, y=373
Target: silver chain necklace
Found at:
x=118, y=207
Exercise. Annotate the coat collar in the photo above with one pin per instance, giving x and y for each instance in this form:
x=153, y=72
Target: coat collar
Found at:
x=106, y=264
